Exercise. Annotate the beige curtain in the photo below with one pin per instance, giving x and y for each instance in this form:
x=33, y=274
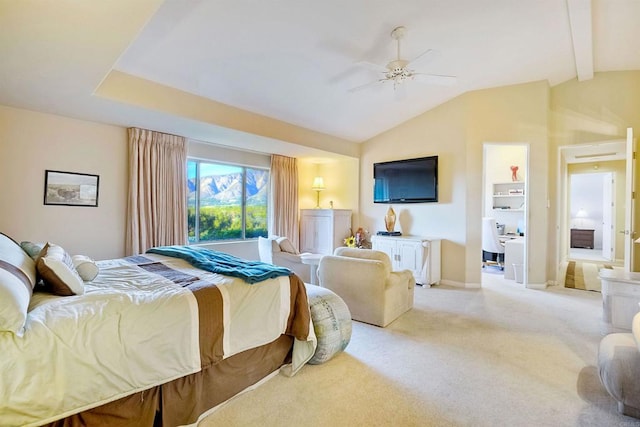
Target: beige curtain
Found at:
x=284, y=198
x=157, y=205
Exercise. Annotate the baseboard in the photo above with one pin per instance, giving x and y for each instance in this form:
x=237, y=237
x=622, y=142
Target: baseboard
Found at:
x=457, y=284
x=536, y=286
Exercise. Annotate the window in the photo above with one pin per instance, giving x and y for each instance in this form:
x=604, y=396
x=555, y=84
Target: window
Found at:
x=226, y=202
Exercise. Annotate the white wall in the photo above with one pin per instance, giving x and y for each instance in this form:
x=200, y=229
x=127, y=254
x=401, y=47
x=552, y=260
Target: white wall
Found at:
x=586, y=191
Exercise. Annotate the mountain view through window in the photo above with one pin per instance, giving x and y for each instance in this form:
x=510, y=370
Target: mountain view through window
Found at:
x=230, y=201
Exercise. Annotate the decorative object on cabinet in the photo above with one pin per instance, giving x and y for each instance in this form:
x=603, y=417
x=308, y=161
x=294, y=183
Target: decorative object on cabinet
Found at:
x=323, y=230
x=514, y=173
x=390, y=219
x=318, y=186
x=420, y=255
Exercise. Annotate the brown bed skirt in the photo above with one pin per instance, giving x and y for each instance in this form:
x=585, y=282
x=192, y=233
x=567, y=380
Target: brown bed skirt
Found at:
x=183, y=400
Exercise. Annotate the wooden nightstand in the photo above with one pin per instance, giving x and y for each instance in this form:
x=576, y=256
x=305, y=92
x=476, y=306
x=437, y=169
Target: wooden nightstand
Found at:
x=581, y=238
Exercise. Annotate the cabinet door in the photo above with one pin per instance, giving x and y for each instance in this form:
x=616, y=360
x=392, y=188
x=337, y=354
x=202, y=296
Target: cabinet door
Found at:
x=388, y=247
x=307, y=234
x=410, y=257
x=323, y=236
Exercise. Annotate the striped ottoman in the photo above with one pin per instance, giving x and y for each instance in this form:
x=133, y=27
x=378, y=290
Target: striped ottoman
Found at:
x=331, y=323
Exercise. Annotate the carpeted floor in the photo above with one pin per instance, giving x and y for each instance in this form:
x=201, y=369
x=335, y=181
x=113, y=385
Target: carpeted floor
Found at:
x=502, y=355
x=581, y=275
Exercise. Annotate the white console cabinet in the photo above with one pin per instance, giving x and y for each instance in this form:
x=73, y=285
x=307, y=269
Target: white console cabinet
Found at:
x=323, y=230
x=421, y=255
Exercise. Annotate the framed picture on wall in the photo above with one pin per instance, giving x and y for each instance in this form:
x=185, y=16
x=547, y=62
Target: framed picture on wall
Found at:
x=70, y=188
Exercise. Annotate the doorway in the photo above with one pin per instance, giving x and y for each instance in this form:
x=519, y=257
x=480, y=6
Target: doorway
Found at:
x=505, y=203
x=592, y=204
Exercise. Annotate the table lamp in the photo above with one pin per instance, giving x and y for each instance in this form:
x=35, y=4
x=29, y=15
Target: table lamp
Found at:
x=318, y=186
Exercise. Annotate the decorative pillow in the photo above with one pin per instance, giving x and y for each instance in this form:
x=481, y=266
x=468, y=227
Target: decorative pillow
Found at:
x=86, y=267
x=33, y=249
x=17, y=278
x=56, y=269
x=286, y=245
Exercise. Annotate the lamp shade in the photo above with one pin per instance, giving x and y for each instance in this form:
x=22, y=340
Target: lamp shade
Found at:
x=318, y=183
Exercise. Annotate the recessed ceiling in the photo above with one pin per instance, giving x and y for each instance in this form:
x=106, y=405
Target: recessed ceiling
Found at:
x=296, y=61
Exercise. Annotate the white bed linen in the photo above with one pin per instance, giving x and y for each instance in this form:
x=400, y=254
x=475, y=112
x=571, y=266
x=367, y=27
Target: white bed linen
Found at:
x=253, y=315
x=130, y=331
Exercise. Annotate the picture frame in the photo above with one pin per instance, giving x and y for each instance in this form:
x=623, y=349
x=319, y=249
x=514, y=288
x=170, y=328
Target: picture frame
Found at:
x=70, y=188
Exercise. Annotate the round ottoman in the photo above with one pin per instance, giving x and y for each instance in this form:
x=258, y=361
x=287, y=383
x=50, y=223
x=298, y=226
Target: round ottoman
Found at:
x=331, y=322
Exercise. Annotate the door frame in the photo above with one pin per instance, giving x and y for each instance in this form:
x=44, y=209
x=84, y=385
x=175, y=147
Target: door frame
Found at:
x=527, y=209
x=562, y=214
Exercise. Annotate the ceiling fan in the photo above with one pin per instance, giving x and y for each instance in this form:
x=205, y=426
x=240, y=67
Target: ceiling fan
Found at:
x=397, y=71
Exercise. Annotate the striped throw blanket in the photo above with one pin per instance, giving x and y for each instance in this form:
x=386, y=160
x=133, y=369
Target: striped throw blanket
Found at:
x=223, y=263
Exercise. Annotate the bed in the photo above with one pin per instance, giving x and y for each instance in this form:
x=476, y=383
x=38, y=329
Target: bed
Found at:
x=150, y=340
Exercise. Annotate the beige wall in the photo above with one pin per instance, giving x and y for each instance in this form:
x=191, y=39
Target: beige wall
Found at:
x=531, y=114
x=32, y=142
x=456, y=132
x=440, y=132
x=595, y=110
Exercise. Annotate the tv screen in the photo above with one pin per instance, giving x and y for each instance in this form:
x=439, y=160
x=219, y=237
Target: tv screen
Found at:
x=406, y=181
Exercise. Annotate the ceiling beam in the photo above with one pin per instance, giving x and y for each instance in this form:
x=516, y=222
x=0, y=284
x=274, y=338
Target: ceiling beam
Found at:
x=582, y=37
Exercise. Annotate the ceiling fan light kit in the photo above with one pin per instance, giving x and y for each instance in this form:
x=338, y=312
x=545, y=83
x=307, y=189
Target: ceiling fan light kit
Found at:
x=398, y=71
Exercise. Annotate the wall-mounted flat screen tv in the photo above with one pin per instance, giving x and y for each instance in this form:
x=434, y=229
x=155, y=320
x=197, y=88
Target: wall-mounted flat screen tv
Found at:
x=406, y=181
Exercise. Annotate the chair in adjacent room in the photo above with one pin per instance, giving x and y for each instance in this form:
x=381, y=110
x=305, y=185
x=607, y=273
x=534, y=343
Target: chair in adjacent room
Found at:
x=492, y=248
x=364, y=279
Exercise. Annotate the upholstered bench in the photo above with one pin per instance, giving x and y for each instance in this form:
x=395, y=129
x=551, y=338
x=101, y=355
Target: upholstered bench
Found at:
x=331, y=323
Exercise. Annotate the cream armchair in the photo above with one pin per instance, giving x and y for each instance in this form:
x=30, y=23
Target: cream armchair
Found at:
x=279, y=251
x=364, y=280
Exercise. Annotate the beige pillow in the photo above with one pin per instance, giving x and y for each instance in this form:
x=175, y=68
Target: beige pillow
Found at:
x=86, y=267
x=286, y=245
x=56, y=269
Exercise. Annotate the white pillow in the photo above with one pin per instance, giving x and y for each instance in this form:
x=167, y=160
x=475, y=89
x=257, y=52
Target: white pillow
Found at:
x=86, y=267
x=286, y=245
x=56, y=269
x=17, y=278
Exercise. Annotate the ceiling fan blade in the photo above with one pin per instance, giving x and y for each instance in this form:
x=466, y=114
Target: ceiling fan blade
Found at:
x=427, y=55
x=436, y=79
x=366, y=85
x=373, y=67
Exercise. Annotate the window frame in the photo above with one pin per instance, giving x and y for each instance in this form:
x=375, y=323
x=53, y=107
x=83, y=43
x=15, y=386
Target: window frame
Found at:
x=198, y=162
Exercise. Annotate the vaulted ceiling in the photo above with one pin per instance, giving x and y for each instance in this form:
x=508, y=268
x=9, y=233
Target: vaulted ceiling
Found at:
x=299, y=61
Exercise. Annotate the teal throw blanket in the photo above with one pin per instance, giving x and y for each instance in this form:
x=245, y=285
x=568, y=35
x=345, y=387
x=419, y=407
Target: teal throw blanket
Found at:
x=222, y=263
